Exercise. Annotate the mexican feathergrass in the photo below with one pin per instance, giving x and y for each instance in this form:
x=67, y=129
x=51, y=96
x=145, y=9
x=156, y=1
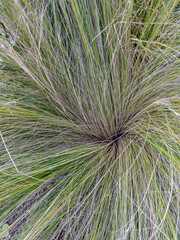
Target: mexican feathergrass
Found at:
x=89, y=119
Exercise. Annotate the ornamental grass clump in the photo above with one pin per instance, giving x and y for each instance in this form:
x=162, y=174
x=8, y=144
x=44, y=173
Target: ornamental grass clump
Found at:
x=89, y=119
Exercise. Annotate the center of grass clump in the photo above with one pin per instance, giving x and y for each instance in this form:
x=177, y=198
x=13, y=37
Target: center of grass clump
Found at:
x=118, y=136
x=113, y=139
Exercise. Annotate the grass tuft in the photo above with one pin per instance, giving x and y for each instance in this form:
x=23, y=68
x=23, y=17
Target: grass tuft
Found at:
x=89, y=119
